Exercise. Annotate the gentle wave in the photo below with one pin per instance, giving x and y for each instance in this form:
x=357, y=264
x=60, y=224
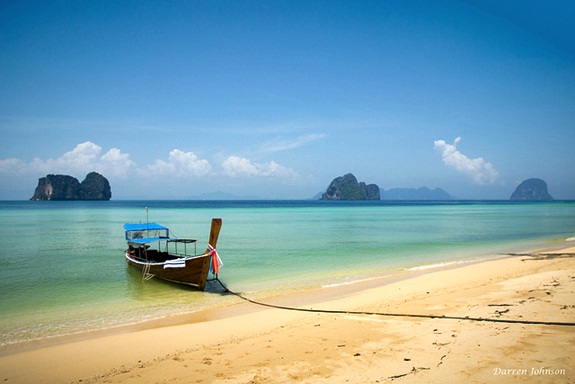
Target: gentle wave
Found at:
x=350, y=282
x=451, y=263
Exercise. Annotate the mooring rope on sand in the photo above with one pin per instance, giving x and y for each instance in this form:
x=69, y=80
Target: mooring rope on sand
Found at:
x=390, y=314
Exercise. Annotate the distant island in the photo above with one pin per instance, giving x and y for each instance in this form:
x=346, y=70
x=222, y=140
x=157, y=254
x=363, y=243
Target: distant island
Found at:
x=531, y=190
x=422, y=193
x=65, y=187
x=347, y=187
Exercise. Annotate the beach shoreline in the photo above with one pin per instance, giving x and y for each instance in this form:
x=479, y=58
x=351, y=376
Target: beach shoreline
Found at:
x=248, y=343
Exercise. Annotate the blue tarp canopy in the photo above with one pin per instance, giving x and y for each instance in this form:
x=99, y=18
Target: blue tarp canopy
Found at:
x=146, y=233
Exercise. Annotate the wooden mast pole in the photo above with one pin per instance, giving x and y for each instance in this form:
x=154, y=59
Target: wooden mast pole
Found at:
x=214, y=232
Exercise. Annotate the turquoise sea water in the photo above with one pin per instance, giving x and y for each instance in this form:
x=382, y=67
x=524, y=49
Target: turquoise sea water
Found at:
x=62, y=268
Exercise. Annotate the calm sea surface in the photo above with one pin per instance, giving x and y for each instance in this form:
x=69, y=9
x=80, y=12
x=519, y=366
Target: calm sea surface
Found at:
x=62, y=268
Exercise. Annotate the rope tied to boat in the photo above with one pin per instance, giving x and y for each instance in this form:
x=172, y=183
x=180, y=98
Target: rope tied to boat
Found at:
x=391, y=314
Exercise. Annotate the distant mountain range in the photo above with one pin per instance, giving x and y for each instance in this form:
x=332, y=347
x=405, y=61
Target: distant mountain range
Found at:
x=219, y=195
x=422, y=193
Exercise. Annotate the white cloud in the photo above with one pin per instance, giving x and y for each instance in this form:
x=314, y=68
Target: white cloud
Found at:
x=480, y=171
x=180, y=163
x=238, y=166
x=13, y=166
x=116, y=163
x=284, y=145
x=84, y=158
x=235, y=166
x=87, y=157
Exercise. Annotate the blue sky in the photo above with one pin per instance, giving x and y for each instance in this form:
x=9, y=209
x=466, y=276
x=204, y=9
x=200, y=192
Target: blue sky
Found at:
x=274, y=99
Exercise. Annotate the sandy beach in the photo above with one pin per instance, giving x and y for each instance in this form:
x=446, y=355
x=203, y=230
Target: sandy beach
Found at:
x=247, y=343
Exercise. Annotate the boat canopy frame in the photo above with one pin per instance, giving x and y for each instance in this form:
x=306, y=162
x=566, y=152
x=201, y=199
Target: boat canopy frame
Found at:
x=146, y=233
x=140, y=235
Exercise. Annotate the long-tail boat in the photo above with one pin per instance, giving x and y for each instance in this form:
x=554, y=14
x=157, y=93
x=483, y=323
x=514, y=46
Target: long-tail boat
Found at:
x=153, y=250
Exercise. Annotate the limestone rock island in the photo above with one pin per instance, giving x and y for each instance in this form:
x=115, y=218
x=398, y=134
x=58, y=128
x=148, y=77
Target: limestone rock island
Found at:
x=64, y=187
x=532, y=190
x=95, y=187
x=346, y=187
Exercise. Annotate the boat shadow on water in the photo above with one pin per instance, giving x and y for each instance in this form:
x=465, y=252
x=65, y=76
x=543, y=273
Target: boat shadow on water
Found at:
x=140, y=288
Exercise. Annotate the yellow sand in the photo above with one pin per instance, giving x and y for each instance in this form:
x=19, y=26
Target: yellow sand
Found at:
x=246, y=343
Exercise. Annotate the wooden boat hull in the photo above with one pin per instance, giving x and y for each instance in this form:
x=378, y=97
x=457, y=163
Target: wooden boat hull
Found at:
x=170, y=265
x=194, y=273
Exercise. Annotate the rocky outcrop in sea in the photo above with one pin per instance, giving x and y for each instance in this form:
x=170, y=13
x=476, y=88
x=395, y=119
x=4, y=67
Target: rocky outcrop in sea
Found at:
x=347, y=187
x=65, y=187
x=532, y=190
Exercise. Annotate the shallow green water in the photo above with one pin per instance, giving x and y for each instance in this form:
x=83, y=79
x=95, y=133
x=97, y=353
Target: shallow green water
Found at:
x=63, y=271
